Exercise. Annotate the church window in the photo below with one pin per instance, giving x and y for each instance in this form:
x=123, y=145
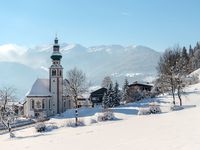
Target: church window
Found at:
x=38, y=104
x=43, y=103
x=64, y=104
x=53, y=72
x=49, y=104
x=32, y=104
x=60, y=73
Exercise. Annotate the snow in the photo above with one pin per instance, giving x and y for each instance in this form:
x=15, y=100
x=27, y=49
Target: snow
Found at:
x=170, y=130
x=40, y=88
x=68, y=48
x=196, y=73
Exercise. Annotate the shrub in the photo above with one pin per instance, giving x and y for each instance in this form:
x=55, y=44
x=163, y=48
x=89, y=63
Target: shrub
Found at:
x=104, y=116
x=40, y=127
x=143, y=111
x=51, y=127
x=71, y=122
x=152, y=109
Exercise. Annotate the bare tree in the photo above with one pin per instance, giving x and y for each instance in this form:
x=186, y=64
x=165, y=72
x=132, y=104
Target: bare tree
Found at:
x=75, y=86
x=173, y=68
x=7, y=115
x=106, y=82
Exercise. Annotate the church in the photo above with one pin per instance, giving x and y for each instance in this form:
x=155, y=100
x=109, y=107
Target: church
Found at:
x=47, y=96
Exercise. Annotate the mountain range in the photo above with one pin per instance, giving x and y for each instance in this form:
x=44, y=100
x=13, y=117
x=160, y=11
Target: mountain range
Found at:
x=21, y=66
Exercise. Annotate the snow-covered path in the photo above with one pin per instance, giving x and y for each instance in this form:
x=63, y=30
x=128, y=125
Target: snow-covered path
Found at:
x=178, y=130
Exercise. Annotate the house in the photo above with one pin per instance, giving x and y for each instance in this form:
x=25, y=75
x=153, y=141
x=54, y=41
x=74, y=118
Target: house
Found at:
x=96, y=97
x=17, y=107
x=139, y=90
x=46, y=97
x=84, y=102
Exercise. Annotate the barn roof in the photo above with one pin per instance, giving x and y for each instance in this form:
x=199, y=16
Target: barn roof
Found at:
x=40, y=88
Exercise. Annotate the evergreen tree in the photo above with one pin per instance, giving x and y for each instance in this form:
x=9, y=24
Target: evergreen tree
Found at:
x=197, y=45
x=125, y=85
x=108, y=98
x=117, y=96
x=191, y=52
x=125, y=91
x=184, y=62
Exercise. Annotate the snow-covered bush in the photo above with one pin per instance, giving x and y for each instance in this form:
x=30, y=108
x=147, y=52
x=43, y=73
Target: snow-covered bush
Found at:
x=89, y=121
x=40, y=127
x=106, y=115
x=143, y=111
x=152, y=109
x=72, y=123
x=51, y=127
x=176, y=108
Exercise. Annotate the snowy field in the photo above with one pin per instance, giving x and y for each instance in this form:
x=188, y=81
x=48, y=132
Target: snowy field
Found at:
x=170, y=130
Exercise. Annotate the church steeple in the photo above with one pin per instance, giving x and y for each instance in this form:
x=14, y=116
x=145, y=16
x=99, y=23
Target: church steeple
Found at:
x=56, y=40
x=56, y=55
x=56, y=79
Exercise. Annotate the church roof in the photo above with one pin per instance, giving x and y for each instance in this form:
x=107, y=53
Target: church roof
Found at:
x=40, y=88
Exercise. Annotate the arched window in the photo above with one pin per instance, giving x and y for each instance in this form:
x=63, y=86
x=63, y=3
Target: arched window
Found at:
x=43, y=103
x=49, y=103
x=60, y=72
x=64, y=104
x=32, y=104
x=53, y=72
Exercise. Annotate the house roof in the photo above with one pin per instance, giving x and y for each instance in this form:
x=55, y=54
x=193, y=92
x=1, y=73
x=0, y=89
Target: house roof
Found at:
x=99, y=91
x=141, y=84
x=40, y=88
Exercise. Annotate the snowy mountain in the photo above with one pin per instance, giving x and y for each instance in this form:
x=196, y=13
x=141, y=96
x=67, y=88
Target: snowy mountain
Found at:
x=134, y=62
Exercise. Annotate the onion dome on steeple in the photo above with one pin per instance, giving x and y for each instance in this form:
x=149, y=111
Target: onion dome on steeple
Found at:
x=56, y=55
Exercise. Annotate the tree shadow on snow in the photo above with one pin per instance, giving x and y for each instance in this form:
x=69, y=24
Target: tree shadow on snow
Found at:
x=125, y=111
x=30, y=136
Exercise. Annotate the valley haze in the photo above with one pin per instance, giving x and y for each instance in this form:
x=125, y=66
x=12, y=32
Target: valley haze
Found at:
x=24, y=65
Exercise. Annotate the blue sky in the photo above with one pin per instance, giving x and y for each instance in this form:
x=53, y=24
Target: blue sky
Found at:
x=154, y=23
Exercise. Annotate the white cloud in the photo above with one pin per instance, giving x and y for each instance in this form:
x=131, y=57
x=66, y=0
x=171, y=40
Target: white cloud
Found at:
x=12, y=52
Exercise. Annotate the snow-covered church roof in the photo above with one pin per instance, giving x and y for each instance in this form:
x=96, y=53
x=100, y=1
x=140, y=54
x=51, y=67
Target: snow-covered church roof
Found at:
x=40, y=88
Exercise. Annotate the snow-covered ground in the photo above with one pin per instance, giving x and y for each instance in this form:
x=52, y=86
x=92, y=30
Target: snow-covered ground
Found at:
x=170, y=130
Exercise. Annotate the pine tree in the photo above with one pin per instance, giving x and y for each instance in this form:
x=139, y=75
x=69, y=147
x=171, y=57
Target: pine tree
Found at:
x=108, y=98
x=117, y=96
x=191, y=52
x=105, y=102
x=125, y=91
x=184, y=62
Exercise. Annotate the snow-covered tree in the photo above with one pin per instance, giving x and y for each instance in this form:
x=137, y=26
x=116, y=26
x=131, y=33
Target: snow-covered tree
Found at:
x=125, y=95
x=106, y=82
x=7, y=114
x=167, y=69
x=117, y=95
x=75, y=86
x=173, y=68
x=108, y=98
